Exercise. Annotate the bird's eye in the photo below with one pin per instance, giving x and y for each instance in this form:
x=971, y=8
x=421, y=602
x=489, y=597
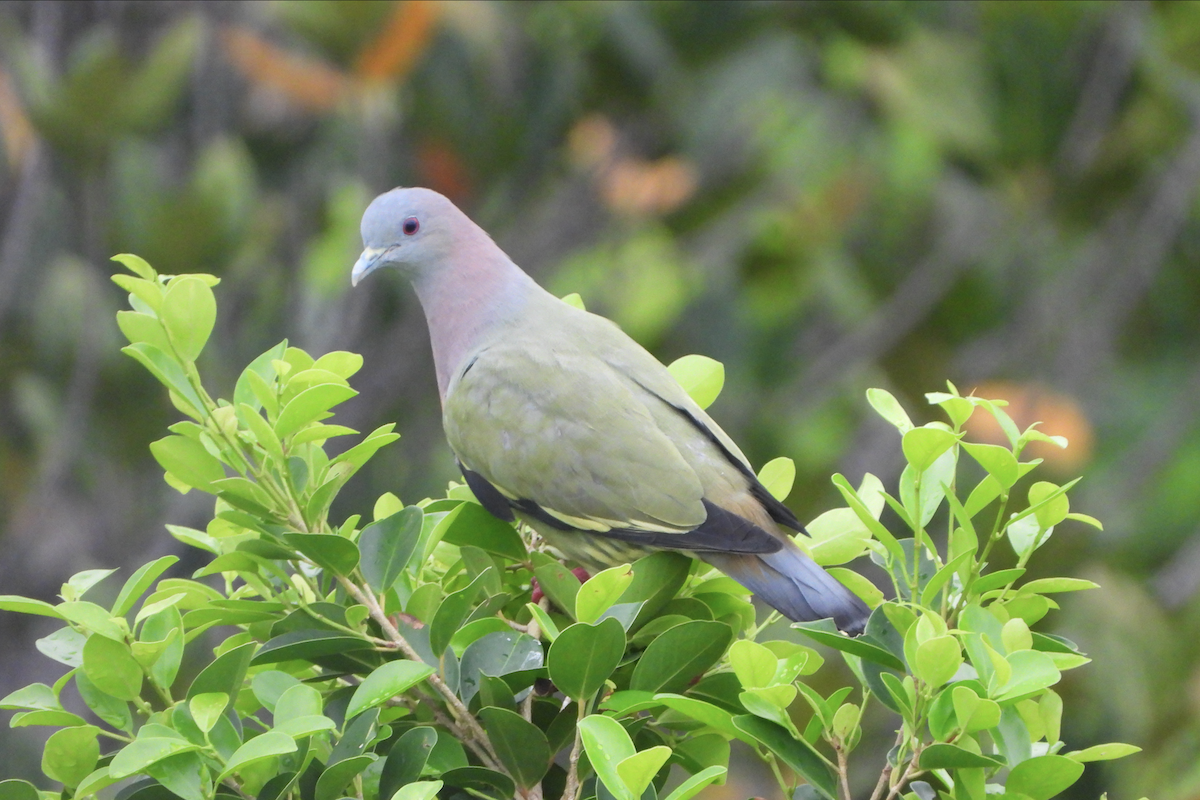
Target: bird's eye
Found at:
x=411, y=226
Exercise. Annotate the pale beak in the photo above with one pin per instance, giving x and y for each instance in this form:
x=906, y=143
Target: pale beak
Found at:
x=366, y=264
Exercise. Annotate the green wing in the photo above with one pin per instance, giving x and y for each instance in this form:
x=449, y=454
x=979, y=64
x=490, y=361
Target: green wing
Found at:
x=566, y=430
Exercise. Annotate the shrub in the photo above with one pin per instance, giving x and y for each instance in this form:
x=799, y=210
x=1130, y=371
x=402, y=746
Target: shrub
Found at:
x=437, y=651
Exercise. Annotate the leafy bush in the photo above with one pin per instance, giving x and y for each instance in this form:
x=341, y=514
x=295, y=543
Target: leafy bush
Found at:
x=436, y=650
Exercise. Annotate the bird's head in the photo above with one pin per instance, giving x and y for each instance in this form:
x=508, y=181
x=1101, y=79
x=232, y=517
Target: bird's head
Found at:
x=410, y=229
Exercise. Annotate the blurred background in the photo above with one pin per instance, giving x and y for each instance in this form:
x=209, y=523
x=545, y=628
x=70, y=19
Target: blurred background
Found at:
x=825, y=196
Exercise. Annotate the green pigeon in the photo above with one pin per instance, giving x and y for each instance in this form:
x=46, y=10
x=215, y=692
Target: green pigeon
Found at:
x=560, y=419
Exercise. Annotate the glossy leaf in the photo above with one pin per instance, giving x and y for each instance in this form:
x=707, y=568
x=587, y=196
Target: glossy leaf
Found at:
x=189, y=311
x=1043, y=777
x=70, y=754
x=111, y=667
x=268, y=745
x=406, y=759
x=471, y=524
x=601, y=591
x=386, y=682
x=700, y=376
x=519, y=744
x=680, y=654
x=387, y=545
x=777, y=476
x=583, y=656
x=796, y=753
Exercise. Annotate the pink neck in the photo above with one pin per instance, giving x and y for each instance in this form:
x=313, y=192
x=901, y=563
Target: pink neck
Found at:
x=476, y=288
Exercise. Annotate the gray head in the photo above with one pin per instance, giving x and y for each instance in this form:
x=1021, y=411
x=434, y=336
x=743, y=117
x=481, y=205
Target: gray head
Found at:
x=413, y=230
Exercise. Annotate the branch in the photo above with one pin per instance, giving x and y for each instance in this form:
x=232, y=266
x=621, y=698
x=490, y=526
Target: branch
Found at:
x=474, y=737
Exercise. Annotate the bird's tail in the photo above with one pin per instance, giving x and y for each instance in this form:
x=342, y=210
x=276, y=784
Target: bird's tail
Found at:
x=792, y=583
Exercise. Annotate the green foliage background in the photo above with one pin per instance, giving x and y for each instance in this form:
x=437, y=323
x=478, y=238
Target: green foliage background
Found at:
x=824, y=196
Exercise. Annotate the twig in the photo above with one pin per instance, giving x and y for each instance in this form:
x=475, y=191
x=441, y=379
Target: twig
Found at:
x=573, y=787
x=886, y=774
x=476, y=739
x=843, y=771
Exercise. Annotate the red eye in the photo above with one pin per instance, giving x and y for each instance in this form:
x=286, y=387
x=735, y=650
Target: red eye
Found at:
x=411, y=226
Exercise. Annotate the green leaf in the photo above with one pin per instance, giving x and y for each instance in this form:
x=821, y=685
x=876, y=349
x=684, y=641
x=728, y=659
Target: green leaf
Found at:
x=1103, y=752
x=999, y=462
x=166, y=369
x=796, y=753
x=34, y=697
x=453, y=611
x=139, y=582
x=225, y=674
x=480, y=782
x=583, y=656
x=386, y=682
x=337, y=776
x=607, y=745
x=777, y=476
x=950, y=756
x=937, y=660
x=263, y=370
x=472, y=524
x=1032, y=671
x=137, y=265
x=497, y=654
x=311, y=405
x=573, y=299
x=111, y=667
x=108, y=708
x=184, y=775
x=299, y=727
x=163, y=626
x=994, y=580
x=680, y=654
x=959, y=409
x=697, y=783
x=188, y=313
x=188, y=461
x=601, y=591
x=754, y=665
x=700, y=376
x=331, y=552
x=147, y=750
x=297, y=702
x=544, y=621
x=639, y=769
x=387, y=545
x=419, y=790
x=922, y=446
x=837, y=536
x=406, y=760
x=882, y=534
x=139, y=327
x=267, y=745
x=1043, y=777
x=518, y=743
x=559, y=584
x=341, y=363
x=207, y=708
x=56, y=719
x=26, y=605
x=888, y=407
x=307, y=645
x=14, y=789
x=1051, y=504
x=71, y=754
x=826, y=633
x=1055, y=585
